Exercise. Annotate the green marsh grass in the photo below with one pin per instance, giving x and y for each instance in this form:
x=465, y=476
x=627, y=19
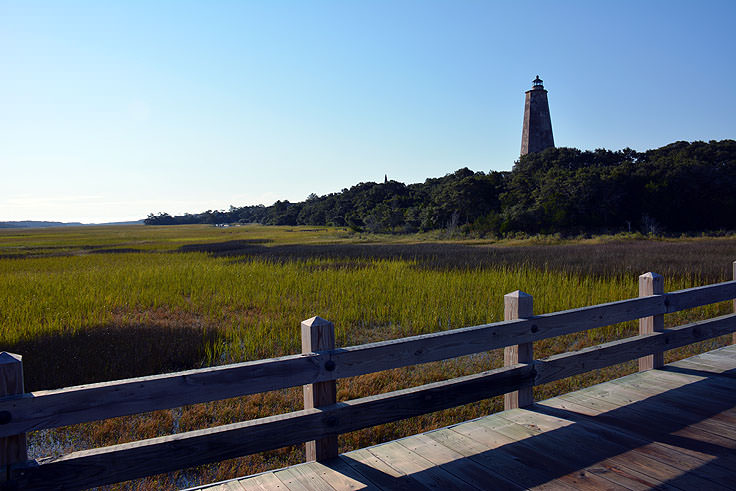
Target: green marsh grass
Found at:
x=190, y=296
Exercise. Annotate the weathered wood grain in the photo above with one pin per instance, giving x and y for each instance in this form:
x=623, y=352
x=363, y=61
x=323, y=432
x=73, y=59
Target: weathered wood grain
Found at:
x=302, y=478
x=49, y=409
x=268, y=482
x=341, y=476
x=580, y=448
x=53, y=408
x=12, y=448
x=567, y=364
x=525, y=443
x=675, y=455
x=128, y=461
x=700, y=295
x=379, y=472
x=651, y=284
x=501, y=465
x=319, y=335
x=635, y=401
x=518, y=305
x=599, y=443
x=79, y=404
x=422, y=470
x=454, y=462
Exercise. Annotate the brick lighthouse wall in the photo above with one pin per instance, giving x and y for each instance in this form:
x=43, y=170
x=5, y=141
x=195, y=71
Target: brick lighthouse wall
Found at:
x=537, y=132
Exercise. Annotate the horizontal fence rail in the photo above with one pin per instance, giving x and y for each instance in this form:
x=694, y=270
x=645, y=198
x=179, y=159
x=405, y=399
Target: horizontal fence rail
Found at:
x=85, y=403
x=129, y=461
x=47, y=409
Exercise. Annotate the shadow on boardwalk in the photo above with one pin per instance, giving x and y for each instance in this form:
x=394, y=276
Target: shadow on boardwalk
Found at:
x=682, y=438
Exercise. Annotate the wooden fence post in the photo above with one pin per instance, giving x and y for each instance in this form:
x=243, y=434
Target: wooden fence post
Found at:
x=518, y=305
x=733, y=340
x=319, y=335
x=651, y=284
x=12, y=448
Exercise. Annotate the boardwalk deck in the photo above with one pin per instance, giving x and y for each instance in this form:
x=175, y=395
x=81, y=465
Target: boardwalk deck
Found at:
x=670, y=428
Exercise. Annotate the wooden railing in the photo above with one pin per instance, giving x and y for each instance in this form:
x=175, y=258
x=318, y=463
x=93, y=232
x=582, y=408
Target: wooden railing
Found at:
x=317, y=369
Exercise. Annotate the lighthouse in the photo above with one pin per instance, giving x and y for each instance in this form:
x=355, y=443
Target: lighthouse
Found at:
x=537, y=132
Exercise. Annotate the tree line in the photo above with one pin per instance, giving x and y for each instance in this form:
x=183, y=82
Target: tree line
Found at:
x=681, y=187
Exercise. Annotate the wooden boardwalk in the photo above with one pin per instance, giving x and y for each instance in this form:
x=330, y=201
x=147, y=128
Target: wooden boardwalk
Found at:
x=670, y=428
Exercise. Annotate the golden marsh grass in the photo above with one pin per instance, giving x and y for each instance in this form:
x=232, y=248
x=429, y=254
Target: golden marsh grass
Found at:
x=81, y=312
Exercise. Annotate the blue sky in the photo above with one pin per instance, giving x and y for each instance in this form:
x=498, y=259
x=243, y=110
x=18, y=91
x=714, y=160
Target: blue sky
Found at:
x=112, y=110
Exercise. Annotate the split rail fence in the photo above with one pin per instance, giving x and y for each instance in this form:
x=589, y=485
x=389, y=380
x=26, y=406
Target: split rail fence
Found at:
x=317, y=369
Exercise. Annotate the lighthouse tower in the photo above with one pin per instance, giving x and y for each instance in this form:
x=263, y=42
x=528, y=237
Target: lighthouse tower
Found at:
x=537, y=132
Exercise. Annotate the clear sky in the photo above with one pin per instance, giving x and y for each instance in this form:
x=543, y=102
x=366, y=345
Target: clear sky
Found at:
x=112, y=110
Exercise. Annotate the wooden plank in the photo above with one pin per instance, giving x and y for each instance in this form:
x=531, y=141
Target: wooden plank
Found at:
x=728, y=351
x=516, y=466
x=672, y=374
x=651, y=284
x=72, y=405
x=265, y=481
x=49, y=409
x=518, y=305
x=249, y=485
x=12, y=448
x=523, y=463
x=611, y=447
x=269, y=482
x=455, y=463
x=590, y=452
x=703, y=400
x=319, y=335
x=302, y=478
x=688, y=454
x=379, y=472
x=725, y=354
x=562, y=468
x=79, y=404
x=717, y=359
x=564, y=365
x=128, y=461
x=656, y=409
x=505, y=457
x=422, y=470
x=646, y=441
x=502, y=466
x=233, y=485
x=570, y=461
x=699, y=366
x=655, y=428
x=415, y=350
x=341, y=476
x=592, y=412
x=624, y=395
x=701, y=295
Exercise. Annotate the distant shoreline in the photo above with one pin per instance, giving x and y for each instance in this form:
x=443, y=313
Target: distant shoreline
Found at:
x=47, y=224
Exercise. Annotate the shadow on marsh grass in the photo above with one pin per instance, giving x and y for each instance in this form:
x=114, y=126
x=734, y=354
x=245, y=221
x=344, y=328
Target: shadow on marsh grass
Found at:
x=707, y=259
x=110, y=352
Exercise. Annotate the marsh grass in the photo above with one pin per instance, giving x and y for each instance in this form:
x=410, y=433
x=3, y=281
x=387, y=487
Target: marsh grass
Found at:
x=81, y=308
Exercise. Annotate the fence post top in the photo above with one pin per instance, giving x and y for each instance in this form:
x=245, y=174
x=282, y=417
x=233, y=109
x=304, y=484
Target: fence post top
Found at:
x=7, y=358
x=654, y=276
x=516, y=294
x=316, y=321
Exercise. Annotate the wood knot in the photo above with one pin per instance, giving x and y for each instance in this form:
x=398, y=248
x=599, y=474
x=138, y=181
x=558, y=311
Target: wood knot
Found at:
x=329, y=365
